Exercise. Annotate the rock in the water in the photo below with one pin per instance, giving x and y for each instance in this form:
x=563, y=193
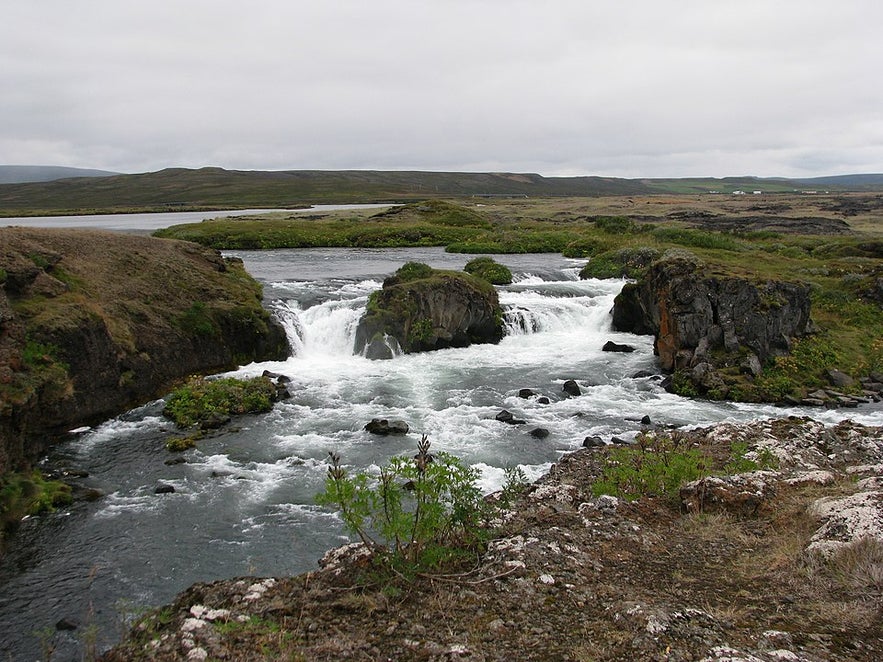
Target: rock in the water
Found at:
x=164, y=488
x=384, y=427
x=543, y=400
x=214, y=421
x=424, y=309
x=571, y=388
x=526, y=393
x=646, y=421
x=611, y=346
x=593, y=442
x=539, y=433
x=506, y=416
x=642, y=374
x=67, y=624
x=695, y=316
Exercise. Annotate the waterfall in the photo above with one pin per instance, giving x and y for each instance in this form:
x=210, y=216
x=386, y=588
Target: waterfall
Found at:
x=328, y=328
x=529, y=312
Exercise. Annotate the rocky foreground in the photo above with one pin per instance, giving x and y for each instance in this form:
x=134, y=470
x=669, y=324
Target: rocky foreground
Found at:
x=783, y=564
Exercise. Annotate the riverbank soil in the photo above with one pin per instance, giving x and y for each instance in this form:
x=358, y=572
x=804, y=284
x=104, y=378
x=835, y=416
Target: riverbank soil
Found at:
x=574, y=576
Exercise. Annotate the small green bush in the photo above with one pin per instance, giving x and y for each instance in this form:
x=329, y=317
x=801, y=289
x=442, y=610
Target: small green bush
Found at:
x=698, y=239
x=413, y=271
x=490, y=270
x=201, y=399
x=615, y=224
x=420, y=512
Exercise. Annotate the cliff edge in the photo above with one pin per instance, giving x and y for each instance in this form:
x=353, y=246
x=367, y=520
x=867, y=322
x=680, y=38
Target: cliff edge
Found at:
x=92, y=323
x=709, y=326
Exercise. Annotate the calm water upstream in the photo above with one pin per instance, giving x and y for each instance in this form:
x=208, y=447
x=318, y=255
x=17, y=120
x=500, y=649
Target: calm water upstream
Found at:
x=154, y=221
x=243, y=503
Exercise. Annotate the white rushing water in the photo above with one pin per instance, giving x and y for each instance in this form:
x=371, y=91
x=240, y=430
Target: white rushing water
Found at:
x=243, y=500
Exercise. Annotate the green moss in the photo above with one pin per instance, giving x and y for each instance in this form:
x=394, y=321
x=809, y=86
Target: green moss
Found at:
x=181, y=444
x=202, y=399
x=623, y=262
x=615, y=224
x=197, y=320
x=30, y=494
x=490, y=270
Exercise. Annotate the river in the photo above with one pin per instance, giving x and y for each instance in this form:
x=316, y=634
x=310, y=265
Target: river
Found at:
x=243, y=500
x=148, y=222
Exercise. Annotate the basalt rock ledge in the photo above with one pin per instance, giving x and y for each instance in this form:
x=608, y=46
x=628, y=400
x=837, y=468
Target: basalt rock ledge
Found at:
x=704, y=320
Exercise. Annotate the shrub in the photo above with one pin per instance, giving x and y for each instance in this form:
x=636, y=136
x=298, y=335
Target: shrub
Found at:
x=697, y=239
x=413, y=271
x=490, y=270
x=200, y=400
x=615, y=224
x=419, y=511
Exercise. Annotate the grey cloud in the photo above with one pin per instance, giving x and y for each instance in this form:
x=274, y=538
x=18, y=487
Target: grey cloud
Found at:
x=648, y=88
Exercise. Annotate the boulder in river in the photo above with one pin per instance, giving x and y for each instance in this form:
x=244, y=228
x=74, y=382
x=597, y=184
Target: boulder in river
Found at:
x=384, y=427
x=425, y=309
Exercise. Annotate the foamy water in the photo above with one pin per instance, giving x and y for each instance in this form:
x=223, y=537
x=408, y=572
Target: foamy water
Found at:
x=244, y=500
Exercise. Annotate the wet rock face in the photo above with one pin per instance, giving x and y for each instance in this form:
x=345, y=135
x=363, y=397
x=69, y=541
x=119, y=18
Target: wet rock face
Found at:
x=442, y=310
x=692, y=313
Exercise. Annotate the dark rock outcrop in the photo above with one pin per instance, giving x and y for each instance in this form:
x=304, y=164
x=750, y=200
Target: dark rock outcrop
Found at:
x=699, y=317
x=435, y=310
x=93, y=323
x=571, y=388
x=384, y=427
x=611, y=346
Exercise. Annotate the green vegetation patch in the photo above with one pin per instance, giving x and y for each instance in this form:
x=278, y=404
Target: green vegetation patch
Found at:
x=24, y=494
x=490, y=270
x=659, y=465
x=201, y=400
x=420, y=512
x=621, y=263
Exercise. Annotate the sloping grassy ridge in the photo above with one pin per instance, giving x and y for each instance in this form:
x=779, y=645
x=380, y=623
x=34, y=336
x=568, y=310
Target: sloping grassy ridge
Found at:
x=92, y=323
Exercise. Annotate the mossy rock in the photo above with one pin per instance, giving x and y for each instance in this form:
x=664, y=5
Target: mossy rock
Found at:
x=490, y=270
x=426, y=310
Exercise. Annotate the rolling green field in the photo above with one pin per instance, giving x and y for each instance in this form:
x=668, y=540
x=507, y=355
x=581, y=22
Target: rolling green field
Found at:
x=182, y=189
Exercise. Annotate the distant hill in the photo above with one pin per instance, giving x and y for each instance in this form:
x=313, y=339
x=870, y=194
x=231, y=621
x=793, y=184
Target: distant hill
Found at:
x=16, y=174
x=870, y=182
x=216, y=188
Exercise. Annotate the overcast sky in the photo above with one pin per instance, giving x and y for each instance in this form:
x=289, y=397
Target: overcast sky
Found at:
x=636, y=88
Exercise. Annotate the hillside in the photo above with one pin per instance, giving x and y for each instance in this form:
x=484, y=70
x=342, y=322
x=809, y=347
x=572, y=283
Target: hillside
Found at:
x=93, y=323
x=214, y=188
x=18, y=174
